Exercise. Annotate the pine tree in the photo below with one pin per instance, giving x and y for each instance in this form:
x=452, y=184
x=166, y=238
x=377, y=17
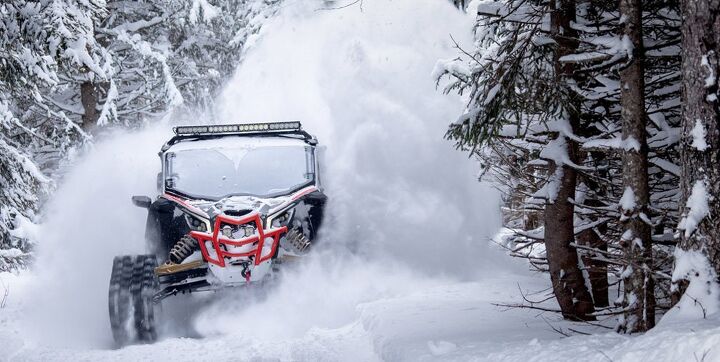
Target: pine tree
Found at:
x=565, y=270
x=167, y=55
x=39, y=40
x=700, y=145
x=521, y=122
x=605, y=62
x=511, y=126
x=638, y=281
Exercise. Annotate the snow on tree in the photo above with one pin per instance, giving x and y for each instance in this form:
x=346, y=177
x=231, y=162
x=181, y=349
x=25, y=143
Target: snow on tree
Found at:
x=604, y=58
x=39, y=40
x=523, y=114
x=209, y=45
x=513, y=122
x=166, y=54
x=697, y=263
x=639, y=284
x=21, y=186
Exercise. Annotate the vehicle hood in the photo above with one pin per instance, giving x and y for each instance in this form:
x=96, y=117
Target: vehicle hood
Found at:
x=235, y=205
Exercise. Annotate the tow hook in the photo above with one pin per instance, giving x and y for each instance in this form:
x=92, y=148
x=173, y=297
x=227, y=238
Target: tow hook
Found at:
x=246, y=272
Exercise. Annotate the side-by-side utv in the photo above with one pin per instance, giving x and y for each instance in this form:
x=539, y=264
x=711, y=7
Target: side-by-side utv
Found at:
x=234, y=201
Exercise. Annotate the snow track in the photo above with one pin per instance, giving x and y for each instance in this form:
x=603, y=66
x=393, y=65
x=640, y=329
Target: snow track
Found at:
x=440, y=319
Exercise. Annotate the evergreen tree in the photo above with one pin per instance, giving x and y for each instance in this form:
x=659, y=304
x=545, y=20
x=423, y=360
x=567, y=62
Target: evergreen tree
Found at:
x=39, y=41
x=639, y=296
x=523, y=115
x=522, y=122
x=700, y=150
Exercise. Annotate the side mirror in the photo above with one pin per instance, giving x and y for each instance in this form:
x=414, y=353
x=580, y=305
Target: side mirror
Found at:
x=142, y=201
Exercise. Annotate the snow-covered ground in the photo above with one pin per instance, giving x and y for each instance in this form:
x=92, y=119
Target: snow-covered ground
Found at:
x=349, y=313
x=410, y=273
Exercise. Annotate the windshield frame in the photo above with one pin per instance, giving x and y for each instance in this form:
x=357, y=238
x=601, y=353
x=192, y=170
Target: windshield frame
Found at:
x=310, y=162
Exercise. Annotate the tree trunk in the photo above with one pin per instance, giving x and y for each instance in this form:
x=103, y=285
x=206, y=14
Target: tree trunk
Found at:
x=567, y=278
x=593, y=238
x=701, y=162
x=597, y=270
x=89, y=98
x=639, y=296
x=91, y=92
x=460, y=4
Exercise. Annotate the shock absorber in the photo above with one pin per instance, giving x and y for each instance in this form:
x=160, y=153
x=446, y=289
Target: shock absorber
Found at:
x=297, y=240
x=182, y=249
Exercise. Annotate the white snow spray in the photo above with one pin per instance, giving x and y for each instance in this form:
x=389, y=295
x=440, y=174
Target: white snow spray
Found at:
x=405, y=207
x=88, y=221
x=401, y=197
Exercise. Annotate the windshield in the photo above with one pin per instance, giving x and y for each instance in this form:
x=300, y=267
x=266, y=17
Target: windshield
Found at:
x=224, y=171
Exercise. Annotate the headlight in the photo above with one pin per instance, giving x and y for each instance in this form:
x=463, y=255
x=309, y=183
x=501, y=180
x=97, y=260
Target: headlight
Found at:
x=238, y=232
x=248, y=230
x=195, y=223
x=281, y=218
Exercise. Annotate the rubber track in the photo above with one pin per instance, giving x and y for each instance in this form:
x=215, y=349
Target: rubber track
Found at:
x=132, y=285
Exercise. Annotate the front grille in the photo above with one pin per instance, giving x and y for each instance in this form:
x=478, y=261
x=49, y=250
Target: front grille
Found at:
x=237, y=213
x=216, y=247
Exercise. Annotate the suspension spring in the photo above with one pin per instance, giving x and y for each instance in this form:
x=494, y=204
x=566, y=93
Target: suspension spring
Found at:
x=183, y=248
x=297, y=240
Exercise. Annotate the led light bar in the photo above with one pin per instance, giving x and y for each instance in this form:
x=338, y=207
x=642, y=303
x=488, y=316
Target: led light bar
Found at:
x=238, y=128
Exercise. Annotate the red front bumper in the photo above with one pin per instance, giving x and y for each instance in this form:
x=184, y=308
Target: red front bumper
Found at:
x=217, y=243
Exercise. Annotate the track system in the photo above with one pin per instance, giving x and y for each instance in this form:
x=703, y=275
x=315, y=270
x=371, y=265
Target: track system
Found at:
x=133, y=315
